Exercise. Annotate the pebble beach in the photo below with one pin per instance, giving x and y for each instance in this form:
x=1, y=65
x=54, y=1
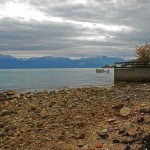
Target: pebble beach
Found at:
x=87, y=118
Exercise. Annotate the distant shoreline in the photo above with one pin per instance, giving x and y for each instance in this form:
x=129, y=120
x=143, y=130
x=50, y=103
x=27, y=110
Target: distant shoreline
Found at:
x=7, y=61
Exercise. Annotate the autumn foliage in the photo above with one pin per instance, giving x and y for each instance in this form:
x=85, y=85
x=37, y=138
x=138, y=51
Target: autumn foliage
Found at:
x=143, y=52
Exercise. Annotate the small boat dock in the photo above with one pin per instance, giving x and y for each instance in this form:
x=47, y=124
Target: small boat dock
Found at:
x=102, y=70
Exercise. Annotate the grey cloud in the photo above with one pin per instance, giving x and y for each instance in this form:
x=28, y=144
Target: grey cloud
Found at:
x=16, y=35
x=133, y=13
x=64, y=38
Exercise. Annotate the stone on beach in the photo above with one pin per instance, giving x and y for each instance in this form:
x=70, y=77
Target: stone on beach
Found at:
x=88, y=118
x=11, y=92
x=118, y=106
x=125, y=111
x=44, y=114
x=111, y=120
x=10, y=127
x=6, y=103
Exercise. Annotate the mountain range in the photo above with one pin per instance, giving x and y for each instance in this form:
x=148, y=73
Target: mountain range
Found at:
x=10, y=62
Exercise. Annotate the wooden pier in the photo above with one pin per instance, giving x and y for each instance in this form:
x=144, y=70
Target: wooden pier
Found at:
x=101, y=70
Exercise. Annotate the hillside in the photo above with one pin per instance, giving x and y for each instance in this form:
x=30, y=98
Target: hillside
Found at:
x=9, y=62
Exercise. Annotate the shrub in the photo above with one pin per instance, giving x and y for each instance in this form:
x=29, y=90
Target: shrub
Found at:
x=143, y=52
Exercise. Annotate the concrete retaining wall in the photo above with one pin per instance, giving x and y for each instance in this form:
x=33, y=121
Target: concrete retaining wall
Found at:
x=132, y=74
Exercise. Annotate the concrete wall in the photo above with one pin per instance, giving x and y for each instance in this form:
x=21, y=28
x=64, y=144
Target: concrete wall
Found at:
x=132, y=74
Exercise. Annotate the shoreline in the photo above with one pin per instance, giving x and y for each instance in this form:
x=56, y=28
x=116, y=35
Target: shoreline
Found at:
x=55, y=88
x=88, y=118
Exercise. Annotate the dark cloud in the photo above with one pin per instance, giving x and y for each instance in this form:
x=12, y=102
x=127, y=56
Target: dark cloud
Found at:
x=78, y=28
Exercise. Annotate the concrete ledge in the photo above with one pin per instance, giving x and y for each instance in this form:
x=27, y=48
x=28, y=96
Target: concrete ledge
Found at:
x=132, y=74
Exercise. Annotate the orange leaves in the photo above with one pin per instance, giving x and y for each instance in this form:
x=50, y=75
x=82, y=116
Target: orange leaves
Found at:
x=143, y=52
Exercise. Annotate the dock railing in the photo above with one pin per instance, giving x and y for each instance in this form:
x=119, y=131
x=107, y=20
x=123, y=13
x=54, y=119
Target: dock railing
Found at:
x=133, y=64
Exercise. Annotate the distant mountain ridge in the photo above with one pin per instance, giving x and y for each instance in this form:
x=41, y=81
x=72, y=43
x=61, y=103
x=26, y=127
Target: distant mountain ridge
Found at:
x=10, y=62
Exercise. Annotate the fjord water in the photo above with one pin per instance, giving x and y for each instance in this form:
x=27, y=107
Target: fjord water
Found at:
x=37, y=79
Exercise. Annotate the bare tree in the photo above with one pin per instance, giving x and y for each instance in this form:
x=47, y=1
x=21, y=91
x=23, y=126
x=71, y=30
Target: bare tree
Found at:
x=143, y=52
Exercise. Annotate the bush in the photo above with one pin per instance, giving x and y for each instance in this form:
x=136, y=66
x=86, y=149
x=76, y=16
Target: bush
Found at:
x=143, y=52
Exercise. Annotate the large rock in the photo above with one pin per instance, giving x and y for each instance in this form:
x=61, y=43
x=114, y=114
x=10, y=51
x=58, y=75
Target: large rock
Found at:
x=125, y=111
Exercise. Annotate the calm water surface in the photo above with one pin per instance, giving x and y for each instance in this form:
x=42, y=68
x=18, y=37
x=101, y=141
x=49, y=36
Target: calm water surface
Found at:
x=36, y=79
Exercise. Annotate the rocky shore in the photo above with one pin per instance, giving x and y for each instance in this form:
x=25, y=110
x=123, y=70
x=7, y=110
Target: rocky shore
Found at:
x=89, y=118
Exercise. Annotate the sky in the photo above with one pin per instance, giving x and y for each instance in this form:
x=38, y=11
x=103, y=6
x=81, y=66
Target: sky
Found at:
x=73, y=28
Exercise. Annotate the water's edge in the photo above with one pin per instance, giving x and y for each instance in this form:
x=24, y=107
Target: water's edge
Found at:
x=53, y=79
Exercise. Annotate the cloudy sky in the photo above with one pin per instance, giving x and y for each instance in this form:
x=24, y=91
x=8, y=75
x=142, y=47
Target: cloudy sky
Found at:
x=73, y=28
